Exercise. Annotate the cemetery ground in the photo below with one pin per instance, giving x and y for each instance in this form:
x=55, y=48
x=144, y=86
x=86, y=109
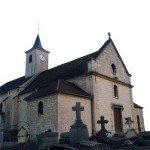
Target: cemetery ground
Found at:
x=77, y=138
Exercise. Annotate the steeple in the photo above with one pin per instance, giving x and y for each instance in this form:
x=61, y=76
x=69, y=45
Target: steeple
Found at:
x=36, y=58
x=37, y=43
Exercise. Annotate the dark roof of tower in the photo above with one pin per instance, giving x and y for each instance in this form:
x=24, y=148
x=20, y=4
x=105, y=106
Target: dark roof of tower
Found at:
x=59, y=86
x=37, y=43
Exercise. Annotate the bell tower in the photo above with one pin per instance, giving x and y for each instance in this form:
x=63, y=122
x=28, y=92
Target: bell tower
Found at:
x=36, y=59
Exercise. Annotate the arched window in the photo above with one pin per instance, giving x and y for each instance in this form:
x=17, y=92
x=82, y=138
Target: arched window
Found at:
x=113, y=67
x=30, y=58
x=115, y=91
x=40, y=108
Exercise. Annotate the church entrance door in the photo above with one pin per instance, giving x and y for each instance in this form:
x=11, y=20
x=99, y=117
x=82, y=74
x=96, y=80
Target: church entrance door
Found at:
x=118, y=119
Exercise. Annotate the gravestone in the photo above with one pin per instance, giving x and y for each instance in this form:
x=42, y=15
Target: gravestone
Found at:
x=102, y=134
x=78, y=131
x=130, y=133
x=1, y=131
x=1, y=137
x=47, y=138
x=64, y=138
x=23, y=135
x=91, y=145
x=143, y=139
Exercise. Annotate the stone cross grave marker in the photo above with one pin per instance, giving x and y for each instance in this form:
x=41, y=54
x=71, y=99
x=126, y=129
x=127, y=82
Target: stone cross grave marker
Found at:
x=129, y=122
x=102, y=121
x=102, y=134
x=78, y=131
x=130, y=131
x=78, y=108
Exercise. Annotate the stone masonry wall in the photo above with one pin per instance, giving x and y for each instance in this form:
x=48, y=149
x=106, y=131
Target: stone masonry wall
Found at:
x=66, y=116
x=84, y=82
x=138, y=112
x=104, y=100
x=39, y=123
x=8, y=107
x=103, y=89
x=102, y=64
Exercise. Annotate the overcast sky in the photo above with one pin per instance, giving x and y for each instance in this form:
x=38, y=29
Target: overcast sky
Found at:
x=73, y=28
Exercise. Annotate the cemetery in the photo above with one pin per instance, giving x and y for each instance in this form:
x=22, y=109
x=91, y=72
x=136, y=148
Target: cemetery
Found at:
x=77, y=138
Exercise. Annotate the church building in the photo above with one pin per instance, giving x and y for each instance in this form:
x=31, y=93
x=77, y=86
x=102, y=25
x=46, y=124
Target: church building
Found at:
x=43, y=98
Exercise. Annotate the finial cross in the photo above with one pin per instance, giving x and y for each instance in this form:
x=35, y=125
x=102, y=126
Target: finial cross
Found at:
x=109, y=35
x=78, y=108
x=102, y=121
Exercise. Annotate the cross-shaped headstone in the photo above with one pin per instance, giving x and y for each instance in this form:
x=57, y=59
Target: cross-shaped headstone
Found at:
x=78, y=108
x=102, y=121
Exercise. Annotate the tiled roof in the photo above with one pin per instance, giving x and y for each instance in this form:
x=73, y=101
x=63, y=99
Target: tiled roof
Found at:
x=59, y=86
x=12, y=84
x=137, y=106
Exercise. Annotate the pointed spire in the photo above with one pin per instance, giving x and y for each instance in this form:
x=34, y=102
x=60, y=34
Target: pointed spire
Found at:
x=37, y=43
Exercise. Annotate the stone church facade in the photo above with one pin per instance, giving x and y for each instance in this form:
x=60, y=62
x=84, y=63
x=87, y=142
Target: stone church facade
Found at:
x=43, y=98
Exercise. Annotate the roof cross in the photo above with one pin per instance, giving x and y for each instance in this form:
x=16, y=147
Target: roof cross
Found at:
x=78, y=108
x=109, y=35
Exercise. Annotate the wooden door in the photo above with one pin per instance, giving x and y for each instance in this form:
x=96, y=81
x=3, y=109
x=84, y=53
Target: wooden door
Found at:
x=118, y=119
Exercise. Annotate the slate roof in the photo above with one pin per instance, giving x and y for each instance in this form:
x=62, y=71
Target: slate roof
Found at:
x=37, y=45
x=13, y=84
x=68, y=70
x=65, y=71
x=137, y=106
x=60, y=86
